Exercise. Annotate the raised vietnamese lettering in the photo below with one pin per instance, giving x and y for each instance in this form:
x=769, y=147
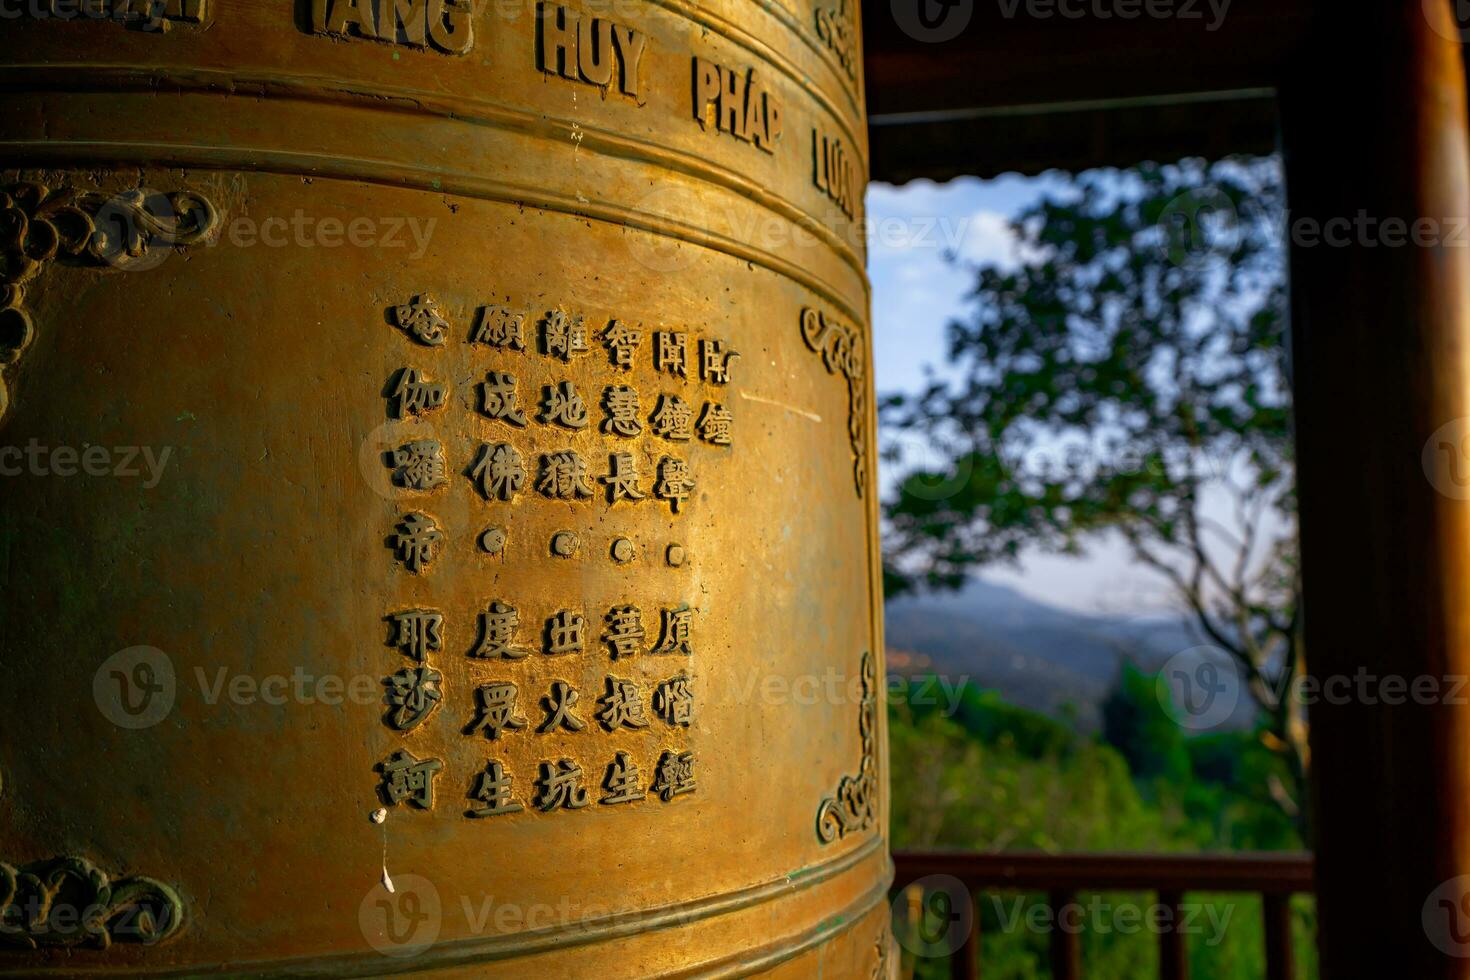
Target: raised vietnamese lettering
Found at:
x=444, y=25
x=591, y=50
x=653, y=404
x=736, y=102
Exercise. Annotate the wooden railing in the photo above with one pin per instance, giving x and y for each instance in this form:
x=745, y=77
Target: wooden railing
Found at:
x=1275, y=877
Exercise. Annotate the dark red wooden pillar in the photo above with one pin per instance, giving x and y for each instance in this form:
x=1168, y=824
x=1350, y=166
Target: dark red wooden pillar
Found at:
x=1374, y=124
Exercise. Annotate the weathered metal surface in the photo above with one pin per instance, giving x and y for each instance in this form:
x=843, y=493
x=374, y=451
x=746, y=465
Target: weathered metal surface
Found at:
x=437, y=455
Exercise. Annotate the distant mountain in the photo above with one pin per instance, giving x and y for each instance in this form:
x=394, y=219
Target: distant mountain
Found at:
x=1038, y=656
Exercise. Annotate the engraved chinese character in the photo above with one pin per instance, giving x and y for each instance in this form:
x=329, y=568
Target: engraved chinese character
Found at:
x=564, y=633
x=675, y=775
x=497, y=710
x=498, y=398
x=714, y=361
x=422, y=321
x=622, y=782
x=675, y=482
x=558, y=704
x=625, y=632
x=714, y=424
x=499, y=471
x=622, y=481
x=417, y=631
x=622, y=343
x=408, y=778
x=675, y=637
x=563, y=476
x=499, y=327
x=671, y=352
x=419, y=465
x=417, y=541
x=562, y=405
x=563, y=335
x=494, y=791
x=413, y=693
x=415, y=394
x=672, y=418
x=674, y=700
x=498, y=625
x=621, y=706
x=561, y=786
x=621, y=404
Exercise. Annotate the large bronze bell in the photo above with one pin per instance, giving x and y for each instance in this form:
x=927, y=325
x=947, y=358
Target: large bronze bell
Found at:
x=437, y=516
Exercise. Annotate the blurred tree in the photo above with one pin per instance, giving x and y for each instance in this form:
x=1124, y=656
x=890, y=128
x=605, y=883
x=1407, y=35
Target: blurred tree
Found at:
x=1127, y=376
x=1136, y=724
x=996, y=777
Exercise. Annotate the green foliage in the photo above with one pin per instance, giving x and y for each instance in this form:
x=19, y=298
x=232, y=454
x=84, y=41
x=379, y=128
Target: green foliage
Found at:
x=1103, y=381
x=996, y=777
x=1136, y=724
x=1129, y=368
x=1227, y=797
x=1219, y=780
x=999, y=777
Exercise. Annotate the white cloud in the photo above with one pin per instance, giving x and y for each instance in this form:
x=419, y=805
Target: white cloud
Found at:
x=989, y=240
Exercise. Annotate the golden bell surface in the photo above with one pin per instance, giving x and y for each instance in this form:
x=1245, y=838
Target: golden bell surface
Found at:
x=437, y=522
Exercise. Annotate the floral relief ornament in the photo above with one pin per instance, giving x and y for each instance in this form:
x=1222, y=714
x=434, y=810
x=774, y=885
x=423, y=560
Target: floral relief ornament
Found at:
x=39, y=224
x=68, y=901
x=854, y=807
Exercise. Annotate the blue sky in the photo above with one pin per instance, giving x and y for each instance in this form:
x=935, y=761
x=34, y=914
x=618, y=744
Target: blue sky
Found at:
x=917, y=291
